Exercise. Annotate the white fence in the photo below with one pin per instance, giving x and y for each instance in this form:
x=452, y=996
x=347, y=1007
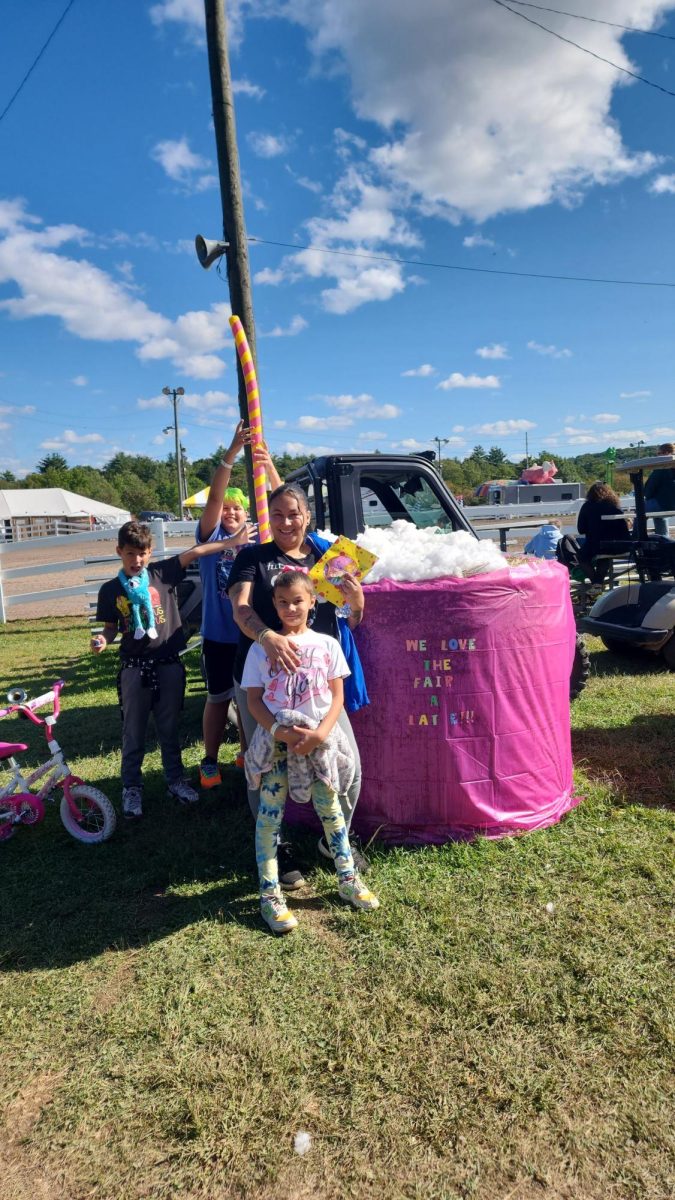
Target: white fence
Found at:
x=12, y=552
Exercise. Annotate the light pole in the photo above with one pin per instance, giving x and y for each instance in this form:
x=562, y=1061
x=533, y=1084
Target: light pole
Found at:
x=175, y=393
x=440, y=442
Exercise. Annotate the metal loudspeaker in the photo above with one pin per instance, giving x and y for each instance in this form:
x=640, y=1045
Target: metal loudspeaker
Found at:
x=17, y=696
x=208, y=251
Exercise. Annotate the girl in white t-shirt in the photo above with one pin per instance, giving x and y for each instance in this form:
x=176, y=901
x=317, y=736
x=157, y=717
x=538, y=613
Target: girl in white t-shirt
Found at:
x=314, y=689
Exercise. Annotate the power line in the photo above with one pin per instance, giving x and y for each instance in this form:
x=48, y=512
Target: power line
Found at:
x=595, y=20
x=36, y=60
x=584, y=49
x=443, y=266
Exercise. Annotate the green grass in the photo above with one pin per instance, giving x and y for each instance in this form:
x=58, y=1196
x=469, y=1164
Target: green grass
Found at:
x=462, y=1042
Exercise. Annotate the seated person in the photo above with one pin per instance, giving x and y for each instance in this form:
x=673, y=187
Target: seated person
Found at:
x=544, y=544
x=600, y=501
x=660, y=491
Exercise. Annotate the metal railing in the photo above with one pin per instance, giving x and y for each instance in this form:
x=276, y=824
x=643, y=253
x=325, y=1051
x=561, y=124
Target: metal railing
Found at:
x=12, y=551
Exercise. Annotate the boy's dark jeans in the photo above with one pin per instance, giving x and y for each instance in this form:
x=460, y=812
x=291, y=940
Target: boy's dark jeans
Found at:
x=137, y=704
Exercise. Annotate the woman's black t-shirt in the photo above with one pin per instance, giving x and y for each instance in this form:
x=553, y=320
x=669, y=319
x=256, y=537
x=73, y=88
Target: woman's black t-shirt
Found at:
x=260, y=566
x=590, y=523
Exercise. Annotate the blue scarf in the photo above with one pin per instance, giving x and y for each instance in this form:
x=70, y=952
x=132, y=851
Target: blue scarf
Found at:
x=356, y=694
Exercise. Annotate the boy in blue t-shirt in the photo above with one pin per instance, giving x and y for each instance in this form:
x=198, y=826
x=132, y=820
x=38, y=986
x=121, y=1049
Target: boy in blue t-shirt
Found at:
x=224, y=519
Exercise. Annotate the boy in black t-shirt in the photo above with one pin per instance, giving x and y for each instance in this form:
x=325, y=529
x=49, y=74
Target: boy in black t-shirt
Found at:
x=141, y=604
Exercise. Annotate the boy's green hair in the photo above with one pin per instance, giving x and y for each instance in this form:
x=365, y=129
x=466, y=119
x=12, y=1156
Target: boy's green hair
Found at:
x=236, y=496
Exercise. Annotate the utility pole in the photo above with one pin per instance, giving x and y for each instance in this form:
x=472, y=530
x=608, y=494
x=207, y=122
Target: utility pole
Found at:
x=440, y=442
x=234, y=228
x=527, y=452
x=175, y=393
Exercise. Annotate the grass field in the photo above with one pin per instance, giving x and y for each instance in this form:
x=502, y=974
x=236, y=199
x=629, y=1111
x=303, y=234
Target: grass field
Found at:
x=462, y=1042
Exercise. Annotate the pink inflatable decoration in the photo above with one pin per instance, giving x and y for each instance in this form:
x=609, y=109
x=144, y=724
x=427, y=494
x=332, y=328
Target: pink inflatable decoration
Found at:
x=468, y=729
x=539, y=474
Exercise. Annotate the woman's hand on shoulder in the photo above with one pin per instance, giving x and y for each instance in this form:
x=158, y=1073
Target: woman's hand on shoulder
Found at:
x=281, y=651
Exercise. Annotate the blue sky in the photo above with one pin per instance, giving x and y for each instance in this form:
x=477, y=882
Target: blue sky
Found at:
x=449, y=131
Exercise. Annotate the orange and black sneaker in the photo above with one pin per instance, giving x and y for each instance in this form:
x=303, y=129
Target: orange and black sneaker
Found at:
x=209, y=773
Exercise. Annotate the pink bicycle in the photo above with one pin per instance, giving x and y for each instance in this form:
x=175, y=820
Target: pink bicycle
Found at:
x=86, y=813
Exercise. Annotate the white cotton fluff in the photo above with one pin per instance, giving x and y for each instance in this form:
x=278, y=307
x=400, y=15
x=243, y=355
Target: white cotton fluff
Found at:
x=407, y=554
x=302, y=1142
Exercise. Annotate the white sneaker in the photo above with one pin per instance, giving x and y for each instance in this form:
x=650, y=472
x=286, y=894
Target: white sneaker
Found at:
x=183, y=791
x=132, y=803
x=355, y=892
x=275, y=914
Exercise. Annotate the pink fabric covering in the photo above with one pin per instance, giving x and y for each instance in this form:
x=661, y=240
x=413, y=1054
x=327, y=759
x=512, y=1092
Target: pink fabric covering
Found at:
x=468, y=729
x=537, y=474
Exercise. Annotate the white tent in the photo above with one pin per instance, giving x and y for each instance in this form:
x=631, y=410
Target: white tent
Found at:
x=36, y=512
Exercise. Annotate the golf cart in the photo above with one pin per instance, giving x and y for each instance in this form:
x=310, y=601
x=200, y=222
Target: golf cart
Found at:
x=640, y=613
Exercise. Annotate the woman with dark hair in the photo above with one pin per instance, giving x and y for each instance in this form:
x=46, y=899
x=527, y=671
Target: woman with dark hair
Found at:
x=250, y=589
x=601, y=501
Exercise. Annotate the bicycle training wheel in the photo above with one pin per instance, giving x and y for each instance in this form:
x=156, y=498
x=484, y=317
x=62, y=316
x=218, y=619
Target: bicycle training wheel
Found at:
x=95, y=819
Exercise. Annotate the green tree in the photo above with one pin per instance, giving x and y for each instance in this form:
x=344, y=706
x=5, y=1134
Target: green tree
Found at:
x=52, y=463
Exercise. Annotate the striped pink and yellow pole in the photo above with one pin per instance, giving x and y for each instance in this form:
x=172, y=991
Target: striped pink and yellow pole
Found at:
x=255, y=424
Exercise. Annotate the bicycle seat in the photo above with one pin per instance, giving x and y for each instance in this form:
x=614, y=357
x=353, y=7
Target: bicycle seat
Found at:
x=8, y=749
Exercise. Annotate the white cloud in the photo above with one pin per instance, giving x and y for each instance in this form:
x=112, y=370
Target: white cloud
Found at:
x=311, y=422
x=605, y=418
x=203, y=402
x=295, y=326
x=458, y=428
x=633, y=395
x=470, y=106
x=301, y=448
x=364, y=218
x=629, y=435
x=17, y=410
x=457, y=380
x=363, y=406
x=80, y=381
x=94, y=306
x=372, y=435
x=69, y=439
x=549, y=351
x=504, y=428
x=244, y=87
x=663, y=431
x=279, y=424
x=495, y=350
x=182, y=165
x=662, y=185
x=583, y=439
x=422, y=372
x=268, y=145
x=270, y=276
x=477, y=239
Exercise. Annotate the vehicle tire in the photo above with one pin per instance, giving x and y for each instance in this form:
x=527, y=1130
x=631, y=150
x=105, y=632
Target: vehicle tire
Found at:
x=618, y=647
x=668, y=652
x=581, y=669
x=97, y=819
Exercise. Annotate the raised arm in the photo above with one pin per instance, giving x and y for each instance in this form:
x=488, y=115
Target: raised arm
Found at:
x=210, y=518
x=262, y=455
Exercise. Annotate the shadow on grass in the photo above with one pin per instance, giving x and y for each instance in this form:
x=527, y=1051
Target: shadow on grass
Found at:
x=637, y=759
x=63, y=902
x=631, y=661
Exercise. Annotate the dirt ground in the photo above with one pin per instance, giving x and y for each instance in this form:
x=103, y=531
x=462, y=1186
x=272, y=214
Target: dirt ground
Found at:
x=36, y=554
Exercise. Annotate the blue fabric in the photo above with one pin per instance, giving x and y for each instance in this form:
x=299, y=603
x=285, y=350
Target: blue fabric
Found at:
x=543, y=544
x=356, y=693
x=218, y=623
x=137, y=591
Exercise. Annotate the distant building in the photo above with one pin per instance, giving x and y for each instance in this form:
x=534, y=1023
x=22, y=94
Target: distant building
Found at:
x=38, y=512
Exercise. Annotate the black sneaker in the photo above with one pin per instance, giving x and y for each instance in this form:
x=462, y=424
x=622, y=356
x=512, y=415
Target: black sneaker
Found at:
x=290, y=875
x=360, y=861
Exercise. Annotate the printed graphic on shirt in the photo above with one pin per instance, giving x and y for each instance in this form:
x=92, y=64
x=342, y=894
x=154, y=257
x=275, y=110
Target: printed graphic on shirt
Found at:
x=124, y=608
x=223, y=571
x=307, y=684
